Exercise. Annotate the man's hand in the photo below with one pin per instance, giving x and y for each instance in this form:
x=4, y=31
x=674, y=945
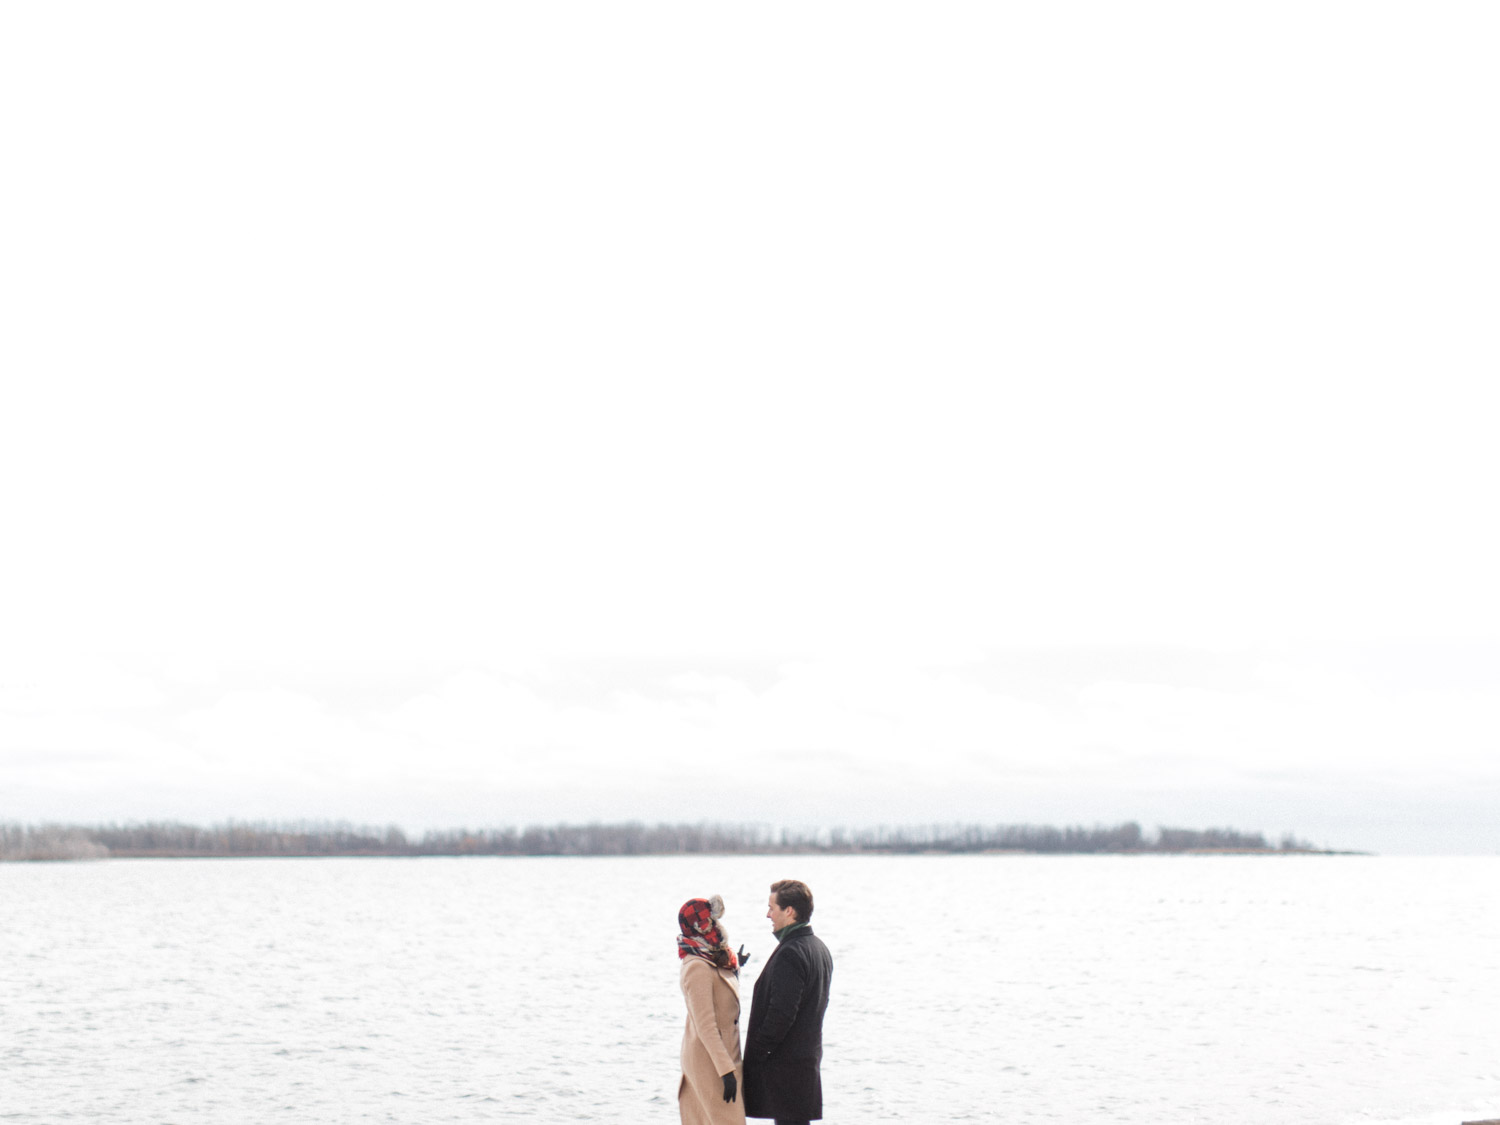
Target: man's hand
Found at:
x=743, y=956
x=731, y=1087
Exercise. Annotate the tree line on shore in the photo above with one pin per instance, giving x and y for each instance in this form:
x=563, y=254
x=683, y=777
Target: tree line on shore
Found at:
x=168, y=839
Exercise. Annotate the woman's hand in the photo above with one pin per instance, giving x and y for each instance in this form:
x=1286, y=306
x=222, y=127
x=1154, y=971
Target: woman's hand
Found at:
x=743, y=956
x=731, y=1087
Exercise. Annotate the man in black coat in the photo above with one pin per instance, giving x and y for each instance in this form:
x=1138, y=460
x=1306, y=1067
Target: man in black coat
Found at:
x=784, y=1045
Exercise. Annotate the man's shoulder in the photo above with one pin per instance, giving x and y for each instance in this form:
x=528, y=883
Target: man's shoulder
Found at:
x=809, y=946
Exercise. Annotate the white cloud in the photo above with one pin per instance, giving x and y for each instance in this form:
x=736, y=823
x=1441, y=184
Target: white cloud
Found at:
x=42, y=682
x=283, y=737
x=852, y=728
x=72, y=746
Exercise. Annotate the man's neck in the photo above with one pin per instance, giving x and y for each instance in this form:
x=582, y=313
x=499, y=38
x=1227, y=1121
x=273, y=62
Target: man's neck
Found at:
x=781, y=934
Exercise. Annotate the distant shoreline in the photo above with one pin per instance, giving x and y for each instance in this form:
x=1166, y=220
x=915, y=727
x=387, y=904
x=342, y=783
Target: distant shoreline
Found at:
x=235, y=840
x=1199, y=852
x=668, y=855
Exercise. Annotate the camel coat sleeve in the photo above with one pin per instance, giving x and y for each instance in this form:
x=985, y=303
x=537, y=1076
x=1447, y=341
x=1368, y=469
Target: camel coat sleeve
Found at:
x=713, y=1011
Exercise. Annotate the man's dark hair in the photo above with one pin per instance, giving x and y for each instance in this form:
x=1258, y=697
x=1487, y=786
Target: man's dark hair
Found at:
x=792, y=894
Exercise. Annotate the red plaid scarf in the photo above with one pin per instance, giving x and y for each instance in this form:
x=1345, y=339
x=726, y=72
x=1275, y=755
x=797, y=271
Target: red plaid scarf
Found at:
x=701, y=935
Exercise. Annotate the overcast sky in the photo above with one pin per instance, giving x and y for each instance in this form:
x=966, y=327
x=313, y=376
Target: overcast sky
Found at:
x=822, y=414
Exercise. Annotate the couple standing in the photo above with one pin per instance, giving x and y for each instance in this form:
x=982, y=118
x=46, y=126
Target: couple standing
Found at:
x=784, y=1044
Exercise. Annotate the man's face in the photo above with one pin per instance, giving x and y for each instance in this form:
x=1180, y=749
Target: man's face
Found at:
x=781, y=917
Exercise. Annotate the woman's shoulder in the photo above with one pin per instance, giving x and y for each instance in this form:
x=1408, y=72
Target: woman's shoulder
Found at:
x=694, y=968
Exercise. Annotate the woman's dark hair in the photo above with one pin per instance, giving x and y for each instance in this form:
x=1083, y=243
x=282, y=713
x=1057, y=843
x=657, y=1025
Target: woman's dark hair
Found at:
x=792, y=894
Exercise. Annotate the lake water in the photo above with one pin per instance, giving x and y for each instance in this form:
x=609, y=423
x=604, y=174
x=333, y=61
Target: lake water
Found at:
x=1245, y=989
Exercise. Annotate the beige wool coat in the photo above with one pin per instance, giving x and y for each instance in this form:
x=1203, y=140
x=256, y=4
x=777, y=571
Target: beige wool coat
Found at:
x=710, y=1045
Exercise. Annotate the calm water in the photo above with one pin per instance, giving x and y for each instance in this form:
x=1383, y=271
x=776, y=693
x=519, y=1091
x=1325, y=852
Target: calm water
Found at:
x=1324, y=990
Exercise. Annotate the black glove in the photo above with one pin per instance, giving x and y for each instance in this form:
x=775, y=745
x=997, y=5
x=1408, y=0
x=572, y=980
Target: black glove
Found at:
x=743, y=956
x=731, y=1087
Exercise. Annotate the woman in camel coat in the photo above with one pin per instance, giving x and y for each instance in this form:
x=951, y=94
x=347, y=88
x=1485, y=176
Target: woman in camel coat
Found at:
x=712, y=1072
